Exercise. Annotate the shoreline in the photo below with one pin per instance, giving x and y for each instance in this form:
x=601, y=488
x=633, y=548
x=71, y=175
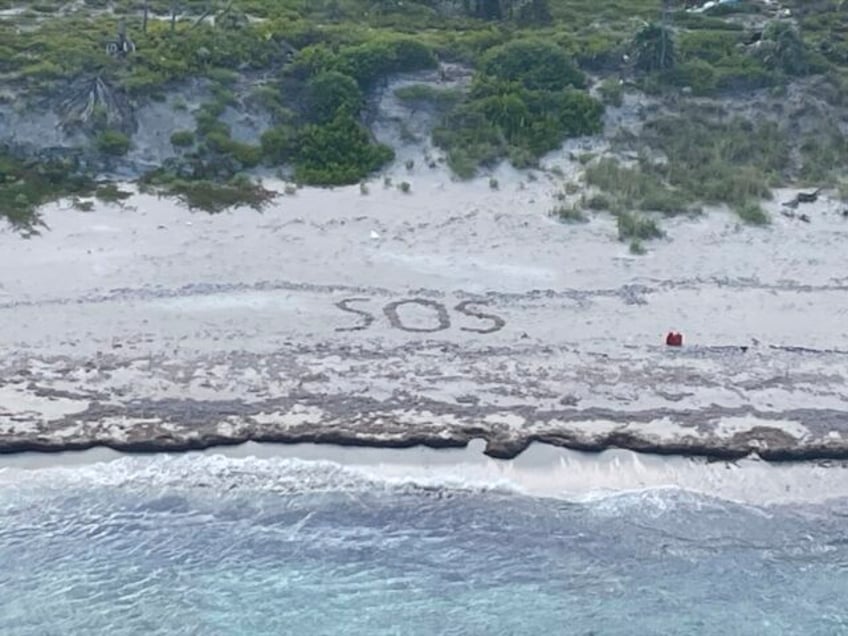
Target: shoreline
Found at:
x=400, y=319
x=542, y=470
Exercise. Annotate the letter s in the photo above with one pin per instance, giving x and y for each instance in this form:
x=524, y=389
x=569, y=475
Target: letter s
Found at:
x=367, y=318
x=499, y=322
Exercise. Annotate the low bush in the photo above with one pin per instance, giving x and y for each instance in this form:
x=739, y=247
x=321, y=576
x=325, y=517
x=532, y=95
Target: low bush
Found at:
x=113, y=142
x=182, y=138
x=569, y=214
x=635, y=226
x=211, y=196
x=752, y=213
x=330, y=93
x=27, y=185
x=339, y=152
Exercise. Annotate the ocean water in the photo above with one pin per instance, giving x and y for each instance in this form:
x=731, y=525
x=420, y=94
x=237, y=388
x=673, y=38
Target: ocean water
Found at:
x=242, y=546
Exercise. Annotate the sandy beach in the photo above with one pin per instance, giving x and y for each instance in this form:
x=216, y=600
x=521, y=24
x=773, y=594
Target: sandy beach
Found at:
x=434, y=317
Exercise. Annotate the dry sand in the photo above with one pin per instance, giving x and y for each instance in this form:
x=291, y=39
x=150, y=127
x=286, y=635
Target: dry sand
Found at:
x=147, y=326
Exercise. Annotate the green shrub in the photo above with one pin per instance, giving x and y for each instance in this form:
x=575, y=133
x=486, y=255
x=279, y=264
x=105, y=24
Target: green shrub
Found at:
x=506, y=120
x=369, y=61
x=279, y=144
x=111, y=193
x=634, y=187
x=708, y=46
x=463, y=164
x=223, y=97
x=665, y=200
x=269, y=97
x=637, y=247
x=337, y=153
x=113, y=142
x=207, y=120
x=44, y=70
x=743, y=72
x=634, y=226
x=569, y=214
x=522, y=104
x=536, y=64
x=24, y=186
x=783, y=49
x=182, y=139
x=752, y=213
x=216, y=197
x=332, y=92
x=698, y=75
x=599, y=202
x=223, y=76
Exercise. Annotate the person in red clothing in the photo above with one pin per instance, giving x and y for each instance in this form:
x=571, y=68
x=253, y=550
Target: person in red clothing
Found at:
x=674, y=339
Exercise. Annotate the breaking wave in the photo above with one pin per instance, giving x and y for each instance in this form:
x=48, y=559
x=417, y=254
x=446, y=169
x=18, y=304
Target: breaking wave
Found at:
x=215, y=545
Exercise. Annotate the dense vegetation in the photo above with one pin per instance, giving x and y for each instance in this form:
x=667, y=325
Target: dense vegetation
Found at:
x=313, y=65
x=525, y=100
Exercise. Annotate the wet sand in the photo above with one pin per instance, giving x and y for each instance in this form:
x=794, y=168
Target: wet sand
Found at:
x=542, y=470
x=448, y=314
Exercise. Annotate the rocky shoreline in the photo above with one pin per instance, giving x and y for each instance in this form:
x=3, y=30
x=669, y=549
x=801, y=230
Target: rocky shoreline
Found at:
x=763, y=441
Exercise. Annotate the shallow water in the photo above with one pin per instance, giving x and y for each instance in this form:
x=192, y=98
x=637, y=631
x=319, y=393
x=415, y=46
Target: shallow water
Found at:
x=217, y=545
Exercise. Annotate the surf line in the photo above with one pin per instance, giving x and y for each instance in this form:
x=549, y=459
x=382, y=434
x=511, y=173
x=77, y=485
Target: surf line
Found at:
x=439, y=311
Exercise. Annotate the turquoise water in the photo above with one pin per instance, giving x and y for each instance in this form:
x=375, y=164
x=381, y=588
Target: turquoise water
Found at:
x=211, y=546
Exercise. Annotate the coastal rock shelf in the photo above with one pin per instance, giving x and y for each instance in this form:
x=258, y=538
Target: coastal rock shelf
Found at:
x=394, y=320
x=435, y=395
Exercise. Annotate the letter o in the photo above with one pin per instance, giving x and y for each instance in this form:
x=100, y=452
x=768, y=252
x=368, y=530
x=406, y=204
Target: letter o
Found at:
x=392, y=314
